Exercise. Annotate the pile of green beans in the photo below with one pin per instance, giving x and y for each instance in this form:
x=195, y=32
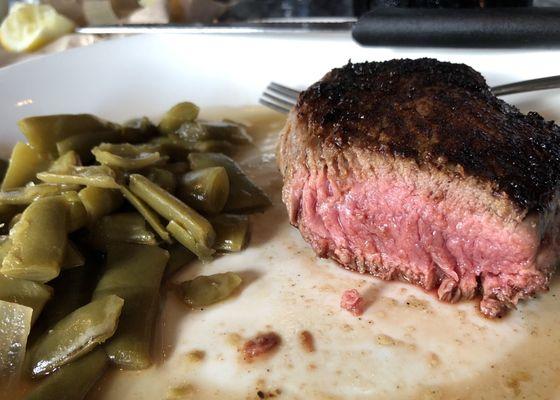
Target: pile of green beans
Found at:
x=94, y=215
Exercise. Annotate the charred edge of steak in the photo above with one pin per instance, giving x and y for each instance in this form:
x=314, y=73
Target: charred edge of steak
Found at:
x=438, y=113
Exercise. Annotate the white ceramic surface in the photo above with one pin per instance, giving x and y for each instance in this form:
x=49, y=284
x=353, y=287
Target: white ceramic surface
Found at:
x=406, y=345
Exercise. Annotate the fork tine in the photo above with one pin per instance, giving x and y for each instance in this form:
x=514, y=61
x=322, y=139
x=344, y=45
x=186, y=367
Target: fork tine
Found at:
x=278, y=100
x=274, y=106
x=286, y=91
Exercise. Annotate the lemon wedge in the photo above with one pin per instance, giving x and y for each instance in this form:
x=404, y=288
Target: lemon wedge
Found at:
x=30, y=26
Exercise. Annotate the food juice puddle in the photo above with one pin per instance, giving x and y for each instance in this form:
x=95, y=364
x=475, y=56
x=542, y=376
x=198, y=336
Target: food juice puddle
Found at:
x=407, y=345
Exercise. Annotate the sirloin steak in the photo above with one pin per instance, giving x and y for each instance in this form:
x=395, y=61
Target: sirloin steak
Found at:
x=414, y=170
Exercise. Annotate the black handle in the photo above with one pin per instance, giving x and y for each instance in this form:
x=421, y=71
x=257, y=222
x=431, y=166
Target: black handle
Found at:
x=481, y=28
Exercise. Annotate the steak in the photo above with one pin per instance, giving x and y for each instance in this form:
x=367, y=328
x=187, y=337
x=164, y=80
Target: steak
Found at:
x=414, y=170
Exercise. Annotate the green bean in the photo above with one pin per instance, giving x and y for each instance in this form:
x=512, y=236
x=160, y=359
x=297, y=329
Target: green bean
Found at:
x=171, y=208
x=163, y=178
x=168, y=146
x=27, y=293
x=190, y=132
x=99, y=202
x=72, y=258
x=125, y=156
x=203, y=291
x=15, y=324
x=73, y=289
x=212, y=146
x=150, y=216
x=3, y=168
x=179, y=256
x=77, y=214
x=138, y=130
x=177, y=115
x=4, y=246
x=66, y=161
x=227, y=130
x=193, y=132
x=83, y=143
x=244, y=195
x=25, y=163
x=76, y=334
x=43, y=132
x=94, y=175
x=123, y=227
x=38, y=241
x=133, y=272
x=205, y=190
x=72, y=381
x=27, y=194
x=232, y=232
x=184, y=237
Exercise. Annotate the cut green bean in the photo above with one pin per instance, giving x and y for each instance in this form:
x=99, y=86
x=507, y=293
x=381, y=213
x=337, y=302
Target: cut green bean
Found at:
x=232, y=232
x=74, y=380
x=171, y=208
x=73, y=289
x=76, y=334
x=244, y=195
x=163, y=178
x=27, y=293
x=133, y=272
x=3, y=168
x=27, y=194
x=176, y=116
x=72, y=258
x=99, y=202
x=15, y=324
x=38, y=241
x=126, y=157
x=77, y=214
x=212, y=146
x=184, y=237
x=203, y=291
x=151, y=217
x=168, y=146
x=179, y=256
x=205, y=190
x=93, y=175
x=43, y=132
x=121, y=228
x=228, y=131
x=83, y=143
x=193, y=132
x=5, y=245
x=138, y=130
x=66, y=161
x=25, y=163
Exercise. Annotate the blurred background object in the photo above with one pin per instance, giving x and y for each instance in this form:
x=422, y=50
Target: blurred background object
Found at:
x=3, y=9
x=28, y=27
x=116, y=16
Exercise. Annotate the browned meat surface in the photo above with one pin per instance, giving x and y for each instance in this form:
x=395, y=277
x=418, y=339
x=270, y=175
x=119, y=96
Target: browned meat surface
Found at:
x=412, y=169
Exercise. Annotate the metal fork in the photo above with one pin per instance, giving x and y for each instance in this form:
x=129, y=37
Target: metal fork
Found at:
x=282, y=98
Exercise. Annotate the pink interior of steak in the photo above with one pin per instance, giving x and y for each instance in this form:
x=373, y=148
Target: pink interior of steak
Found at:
x=400, y=223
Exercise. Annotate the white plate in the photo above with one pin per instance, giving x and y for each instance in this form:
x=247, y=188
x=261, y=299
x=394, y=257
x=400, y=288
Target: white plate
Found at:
x=407, y=345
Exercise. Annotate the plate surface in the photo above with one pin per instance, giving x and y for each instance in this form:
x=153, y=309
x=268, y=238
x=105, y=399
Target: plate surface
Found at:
x=406, y=345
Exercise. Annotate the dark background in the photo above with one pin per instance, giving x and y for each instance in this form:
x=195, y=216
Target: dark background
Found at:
x=257, y=9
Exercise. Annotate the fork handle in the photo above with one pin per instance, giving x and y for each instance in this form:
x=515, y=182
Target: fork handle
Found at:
x=480, y=28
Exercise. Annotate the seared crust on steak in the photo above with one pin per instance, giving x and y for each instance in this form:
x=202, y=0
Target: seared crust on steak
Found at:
x=441, y=114
x=413, y=170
